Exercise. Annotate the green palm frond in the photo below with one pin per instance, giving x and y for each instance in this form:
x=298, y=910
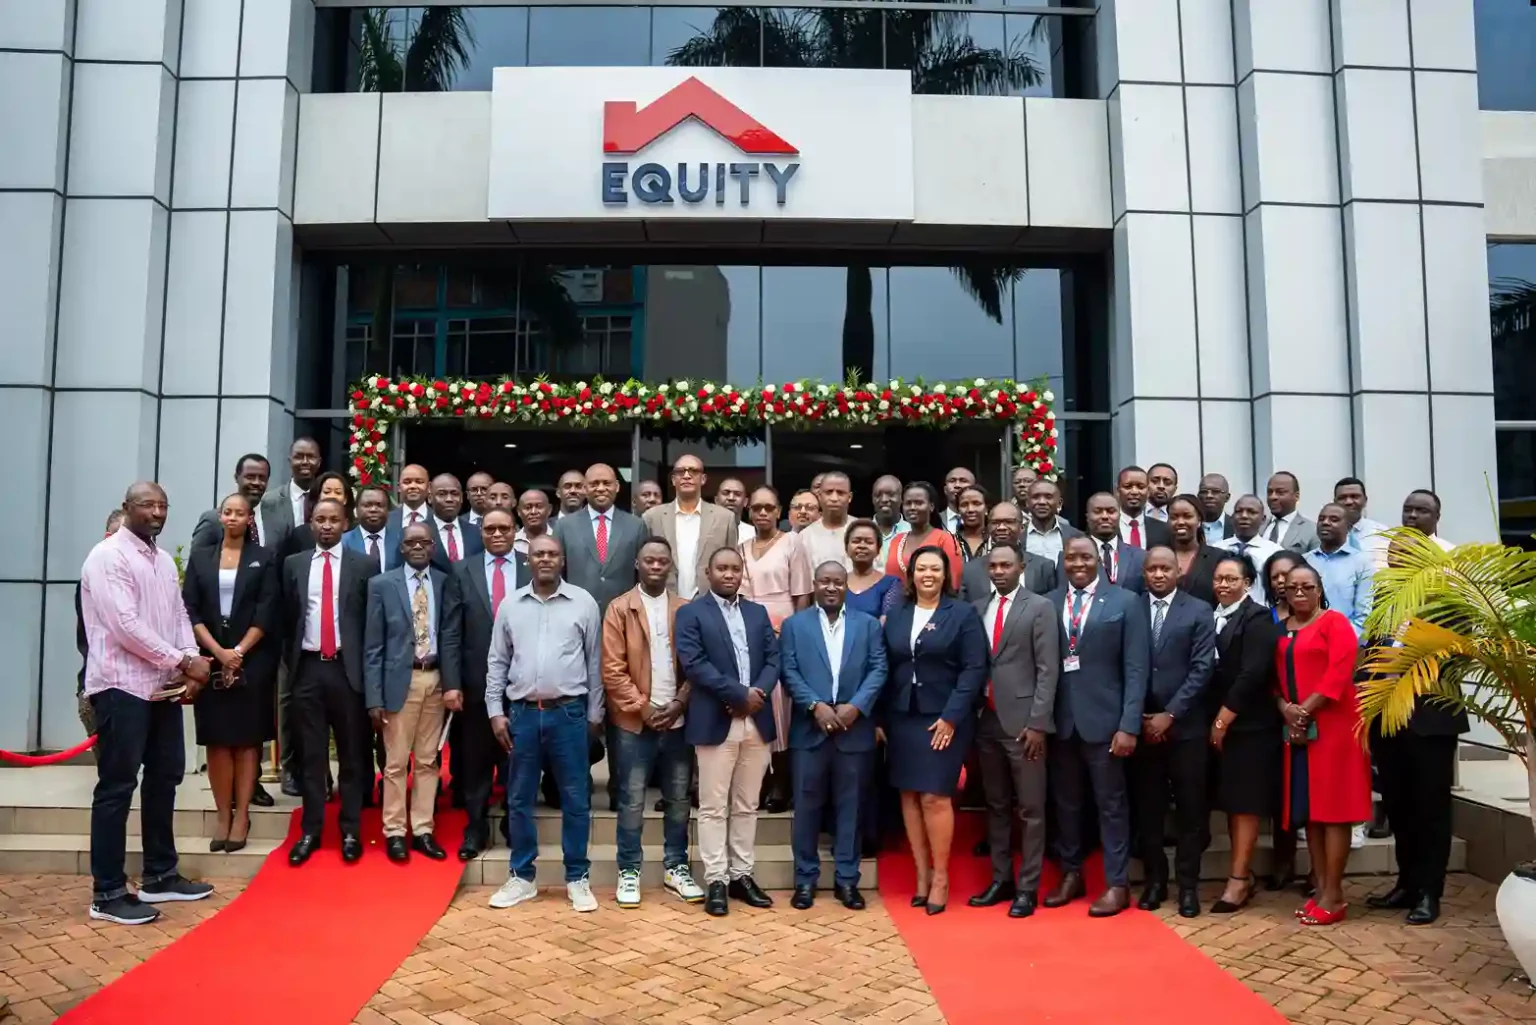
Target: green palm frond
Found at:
x=955, y=66
x=439, y=49
x=379, y=66
x=1464, y=623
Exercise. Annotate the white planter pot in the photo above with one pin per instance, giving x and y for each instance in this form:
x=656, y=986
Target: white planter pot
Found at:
x=1516, y=906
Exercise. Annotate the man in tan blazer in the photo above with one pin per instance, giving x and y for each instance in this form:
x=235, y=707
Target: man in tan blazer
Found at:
x=647, y=693
x=694, y=528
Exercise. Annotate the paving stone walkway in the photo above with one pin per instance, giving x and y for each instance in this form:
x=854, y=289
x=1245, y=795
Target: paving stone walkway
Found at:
x=542, y=964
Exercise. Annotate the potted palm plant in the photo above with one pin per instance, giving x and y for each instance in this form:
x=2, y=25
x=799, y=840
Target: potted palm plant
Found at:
x=1465, y=623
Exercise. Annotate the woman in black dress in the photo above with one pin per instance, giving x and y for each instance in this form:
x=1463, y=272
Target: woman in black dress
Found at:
x=231, y=594
x=938, y=665
x=1246, y=730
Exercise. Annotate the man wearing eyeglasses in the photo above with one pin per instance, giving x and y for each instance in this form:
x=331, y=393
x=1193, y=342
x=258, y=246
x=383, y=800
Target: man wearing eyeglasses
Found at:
x=694, y=528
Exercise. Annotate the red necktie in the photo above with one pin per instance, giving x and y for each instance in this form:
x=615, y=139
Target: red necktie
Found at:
x=498, y=586
x=453, y=546
x=1135, y=533
x=602, y=537
x=327, y=611
x=997, y=640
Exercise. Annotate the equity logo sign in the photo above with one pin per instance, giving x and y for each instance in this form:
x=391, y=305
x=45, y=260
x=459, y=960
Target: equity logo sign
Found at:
x=628, y=129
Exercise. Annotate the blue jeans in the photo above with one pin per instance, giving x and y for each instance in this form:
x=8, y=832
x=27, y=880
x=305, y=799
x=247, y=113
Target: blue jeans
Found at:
x=132, y=732
x=635, y=753
x=556, y=733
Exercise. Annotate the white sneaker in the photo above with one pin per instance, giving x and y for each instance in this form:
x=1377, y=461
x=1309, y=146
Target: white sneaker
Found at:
x=1301, y=834
x=1357, y=837
x=629, y=889
x=680, y=881
x=580, y=893
x=513, y=892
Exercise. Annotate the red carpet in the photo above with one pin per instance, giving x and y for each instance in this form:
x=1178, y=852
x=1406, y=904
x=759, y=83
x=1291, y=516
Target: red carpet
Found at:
x=1060, y=966
x=308, y=944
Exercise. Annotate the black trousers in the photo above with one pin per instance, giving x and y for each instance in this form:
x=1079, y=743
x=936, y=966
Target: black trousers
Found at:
x=1416, y=774
x=476, y=764
x=1075, y=766
x=324, y=703
x=1177, y=771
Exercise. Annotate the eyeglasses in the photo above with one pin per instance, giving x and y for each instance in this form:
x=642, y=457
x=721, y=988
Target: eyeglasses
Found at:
x=420, y=542
x=494, y=530
x=803, y=507
x=766, y=507
x=1301, y=588
x=687, y=471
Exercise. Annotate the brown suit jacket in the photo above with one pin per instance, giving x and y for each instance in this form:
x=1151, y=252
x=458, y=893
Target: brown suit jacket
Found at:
x=717, y=529
x=627, y=658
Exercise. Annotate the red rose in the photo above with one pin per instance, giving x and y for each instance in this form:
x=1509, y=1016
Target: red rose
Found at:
x=417, y=390
x=374, y=436
x=359, y=462
x=358, y=396
x=357, y=421
x=364, y=477
x=400, y=403
x=440, y=386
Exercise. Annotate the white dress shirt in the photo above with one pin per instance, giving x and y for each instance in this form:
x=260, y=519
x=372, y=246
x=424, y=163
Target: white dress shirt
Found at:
x=663, y=665
x=444, y=529
x=368, y=539
x=990, y=619
x=832, y=637
x=474, y=517
x=1268, y=531
x=296, y=498
x=508, y=574
x=1125, y=528
x=422, y=511
x=1156, y=512
x=920, y=617
x=316, y=584
x=1086, y=603
x=411, y=584
x=1257, y=552
x=688, y=527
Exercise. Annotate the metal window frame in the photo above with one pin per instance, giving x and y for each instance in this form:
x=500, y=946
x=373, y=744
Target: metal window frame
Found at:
x=1040, y=10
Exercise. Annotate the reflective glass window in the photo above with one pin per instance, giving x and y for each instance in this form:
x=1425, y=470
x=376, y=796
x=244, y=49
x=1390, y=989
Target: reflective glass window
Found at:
x=1517, y=487
x=1506, y=54
x=818, y=321
x=701, y=322
x=822, y=38
x=1037, y=333
x=589, y=36
x=1512, y=302
x=949, y=323
x=707, y=37
x=495, y=37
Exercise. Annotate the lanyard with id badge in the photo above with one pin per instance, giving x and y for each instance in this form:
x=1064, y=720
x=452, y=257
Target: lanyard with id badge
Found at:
x=1077, y=609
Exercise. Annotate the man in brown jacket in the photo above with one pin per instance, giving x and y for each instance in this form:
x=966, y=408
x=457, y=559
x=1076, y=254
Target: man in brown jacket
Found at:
x=647, y=693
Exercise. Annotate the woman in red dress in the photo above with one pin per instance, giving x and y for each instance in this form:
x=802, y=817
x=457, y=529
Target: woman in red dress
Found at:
x=1327, y=770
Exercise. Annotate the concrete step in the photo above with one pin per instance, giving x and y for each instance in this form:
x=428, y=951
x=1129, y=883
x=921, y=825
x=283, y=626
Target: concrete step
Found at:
x=70, y=855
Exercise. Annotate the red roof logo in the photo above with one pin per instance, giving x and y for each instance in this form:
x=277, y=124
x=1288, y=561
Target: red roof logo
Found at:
x=628, y=129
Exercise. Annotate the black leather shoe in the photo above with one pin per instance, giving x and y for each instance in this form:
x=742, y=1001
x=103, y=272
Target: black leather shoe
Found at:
x=998, y=891
x=260, y=798
x=1380, y=828
x=394, y=848
x=714, y=901
x=1425, y=911
x=351, y=848
x=1189, y=903
x=426, y=843
x=849, y=897
x=749, y=893
x=474, y=842
x=291, y=786
x=1023, y=905
x=1398, y=898
x=299, y=853
x=1152, y=896
x=804, y=897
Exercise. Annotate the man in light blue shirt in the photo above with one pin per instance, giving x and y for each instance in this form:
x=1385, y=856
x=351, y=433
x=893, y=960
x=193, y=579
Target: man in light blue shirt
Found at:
x=1345, y=570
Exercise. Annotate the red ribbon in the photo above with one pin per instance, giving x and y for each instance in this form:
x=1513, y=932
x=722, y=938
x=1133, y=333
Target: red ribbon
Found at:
x=12, y=758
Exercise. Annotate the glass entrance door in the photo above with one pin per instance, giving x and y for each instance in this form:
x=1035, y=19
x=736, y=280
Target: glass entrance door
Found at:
x=525, y=457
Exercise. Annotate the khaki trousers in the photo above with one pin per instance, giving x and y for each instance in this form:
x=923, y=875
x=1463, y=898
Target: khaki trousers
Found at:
x=730, y=782
x=414, y=730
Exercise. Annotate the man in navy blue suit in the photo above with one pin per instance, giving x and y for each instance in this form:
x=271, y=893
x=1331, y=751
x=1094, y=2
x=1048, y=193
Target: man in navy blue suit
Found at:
x=834, y=666
x=1099, y=697
x=1119, y=563
x=1175, y=730
x=374, y=536
x=730, y=655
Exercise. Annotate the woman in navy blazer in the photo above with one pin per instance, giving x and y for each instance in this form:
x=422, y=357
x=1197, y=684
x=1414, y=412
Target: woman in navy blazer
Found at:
x=938, y=666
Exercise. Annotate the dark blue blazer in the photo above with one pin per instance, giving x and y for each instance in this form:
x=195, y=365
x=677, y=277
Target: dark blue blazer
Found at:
x=944, y=676
x=1107, y=691
x=1182, y=658
x=708, y=658
x=808, y=676
x=1129, y=576
x=356, y=539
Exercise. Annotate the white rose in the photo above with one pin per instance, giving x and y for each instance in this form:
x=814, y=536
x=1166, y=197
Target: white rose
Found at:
x=884, y=405
x=941, y=388
x=1053, y=432
x=981, y=382
x=393, y=387
x=662, y=387
x=822, y=389
x=606, y=389
x=895, y=385
x=709, y=389
x=681, y=386
x=767, y=389
x=612, y=417
x=380, y=446
x=915, y=390
x=1049, y=397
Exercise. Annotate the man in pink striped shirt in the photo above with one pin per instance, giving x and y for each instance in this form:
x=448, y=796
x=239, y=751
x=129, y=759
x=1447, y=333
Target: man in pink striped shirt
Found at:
x=140, y=648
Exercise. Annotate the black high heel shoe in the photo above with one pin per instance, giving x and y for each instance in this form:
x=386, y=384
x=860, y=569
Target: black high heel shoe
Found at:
x=936, y=909
x=920, y=900
x=231, y=846
x=1226, y=907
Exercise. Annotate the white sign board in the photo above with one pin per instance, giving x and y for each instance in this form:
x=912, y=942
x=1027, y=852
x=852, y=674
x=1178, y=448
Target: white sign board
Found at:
x=708, y=143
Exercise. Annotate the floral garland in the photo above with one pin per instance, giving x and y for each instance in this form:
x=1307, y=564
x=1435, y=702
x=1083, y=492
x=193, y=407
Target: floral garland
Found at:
x=377, y=402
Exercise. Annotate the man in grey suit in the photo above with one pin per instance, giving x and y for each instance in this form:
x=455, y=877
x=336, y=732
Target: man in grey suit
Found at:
x=1004, y=525
x=695, y=529
x=402, y=637
x=1099, y=699
x=1286, y=527
x=1172, y=758
x=602, y=544
x=287, y=507
x=1020, y=712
